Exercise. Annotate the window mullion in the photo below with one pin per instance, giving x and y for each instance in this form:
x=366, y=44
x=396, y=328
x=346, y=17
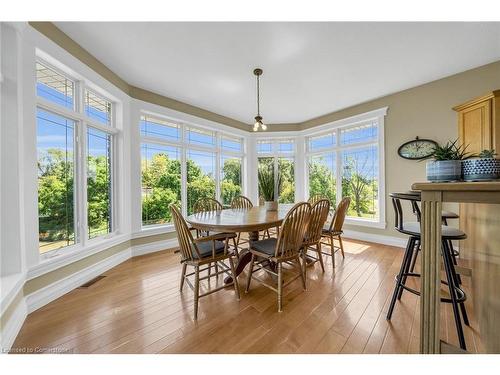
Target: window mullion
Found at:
x=183, y=174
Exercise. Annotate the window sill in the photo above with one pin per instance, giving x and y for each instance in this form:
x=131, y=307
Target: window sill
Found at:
x=11, y=285
x=154, y=230
x=73, y=254
x=365, y=223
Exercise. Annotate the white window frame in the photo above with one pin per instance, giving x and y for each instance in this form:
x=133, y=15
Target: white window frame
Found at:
x=184, y=147
x=82, y=122
x=376, y=116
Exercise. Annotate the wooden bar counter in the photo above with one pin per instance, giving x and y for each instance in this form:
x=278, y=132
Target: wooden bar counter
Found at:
x=484, y=250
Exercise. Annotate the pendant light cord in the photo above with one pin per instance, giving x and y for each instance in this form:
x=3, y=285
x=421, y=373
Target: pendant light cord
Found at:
x=258, y=97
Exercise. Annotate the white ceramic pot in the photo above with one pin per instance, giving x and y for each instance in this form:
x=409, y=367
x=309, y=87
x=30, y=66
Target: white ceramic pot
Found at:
x=444, y=170
x=271, y=205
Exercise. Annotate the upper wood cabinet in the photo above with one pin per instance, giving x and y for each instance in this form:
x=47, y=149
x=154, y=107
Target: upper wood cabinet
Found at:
x=479, y=123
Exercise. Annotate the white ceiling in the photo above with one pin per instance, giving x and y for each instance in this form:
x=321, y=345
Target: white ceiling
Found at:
x=310, y=69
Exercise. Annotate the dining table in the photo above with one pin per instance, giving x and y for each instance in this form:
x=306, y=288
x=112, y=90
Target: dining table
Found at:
x=240, y=220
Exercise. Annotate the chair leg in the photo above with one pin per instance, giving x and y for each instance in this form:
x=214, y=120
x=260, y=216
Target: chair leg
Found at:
x=216, y=267
x=320, y=256
x=398, y=279
x=236, y=243
x=333, y=252
x=249, y=276
x=341, y=246
x=451, y=286
x=302, y=269
x=280, y=287
x=235, y=279
x=456, y=277
x=183, y=276
x=454, y=259
x=415, y=255
x=196, y=291
x=407, y=266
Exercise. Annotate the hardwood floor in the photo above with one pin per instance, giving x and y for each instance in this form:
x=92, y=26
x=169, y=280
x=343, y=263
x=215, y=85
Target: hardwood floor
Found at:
x=137, y=308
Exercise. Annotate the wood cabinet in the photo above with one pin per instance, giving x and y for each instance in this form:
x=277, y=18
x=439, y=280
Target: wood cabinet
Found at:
x=479, y=122
x=479, y=128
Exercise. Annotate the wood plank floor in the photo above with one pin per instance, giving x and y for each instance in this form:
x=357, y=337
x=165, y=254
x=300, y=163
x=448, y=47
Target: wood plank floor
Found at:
x=137, y=308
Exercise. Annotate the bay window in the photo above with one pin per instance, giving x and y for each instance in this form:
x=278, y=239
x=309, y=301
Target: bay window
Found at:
x=345, y=162
x=75, y=137
x=182, y=163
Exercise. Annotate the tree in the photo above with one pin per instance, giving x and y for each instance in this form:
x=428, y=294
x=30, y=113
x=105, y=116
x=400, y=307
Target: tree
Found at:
x=358, y=186
x=321, y=180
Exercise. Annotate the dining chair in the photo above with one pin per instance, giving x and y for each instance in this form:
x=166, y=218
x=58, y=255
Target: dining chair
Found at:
x=334, y=229
x=241, y=202
x=284, y=249
x=316, y=197
x=312, y=239
x=209, y=251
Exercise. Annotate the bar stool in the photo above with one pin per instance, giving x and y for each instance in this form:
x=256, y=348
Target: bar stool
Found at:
x=412, y=229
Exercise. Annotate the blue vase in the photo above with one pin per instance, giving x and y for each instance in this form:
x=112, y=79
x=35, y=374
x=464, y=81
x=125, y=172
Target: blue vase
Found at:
x=481, y=169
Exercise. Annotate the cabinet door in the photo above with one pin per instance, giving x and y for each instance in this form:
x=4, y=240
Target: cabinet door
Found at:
x=474, y=126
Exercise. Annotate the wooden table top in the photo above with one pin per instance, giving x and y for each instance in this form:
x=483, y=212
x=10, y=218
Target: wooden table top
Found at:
x=239, y=220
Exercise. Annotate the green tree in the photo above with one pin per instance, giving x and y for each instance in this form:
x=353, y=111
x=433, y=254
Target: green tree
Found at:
x=322, y=181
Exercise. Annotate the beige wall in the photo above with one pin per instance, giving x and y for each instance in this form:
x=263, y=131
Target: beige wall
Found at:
x=423, y=111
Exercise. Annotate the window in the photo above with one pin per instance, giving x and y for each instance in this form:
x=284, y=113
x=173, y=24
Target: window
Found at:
x=75, y=154
x=200, y=137
x=322, y=175
x=97, y=108
x=54, y=87
x=99, y=183
x=153, y=127
x=56, y=180
x=231, y=144
x=276, y=156
x=200, y=177
x=182, y=164
x=230, y=178
x=264, y=146
x=161, y=182
x=346, y=163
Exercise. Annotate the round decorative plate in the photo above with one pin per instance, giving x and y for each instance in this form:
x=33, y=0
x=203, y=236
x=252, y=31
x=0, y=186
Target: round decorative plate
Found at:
x=417, y=149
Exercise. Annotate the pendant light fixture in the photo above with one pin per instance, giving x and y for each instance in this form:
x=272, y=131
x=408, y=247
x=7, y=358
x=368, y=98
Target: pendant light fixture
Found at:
x=258, y=119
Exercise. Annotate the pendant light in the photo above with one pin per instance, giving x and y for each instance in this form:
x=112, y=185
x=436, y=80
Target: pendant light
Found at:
x=258, y=119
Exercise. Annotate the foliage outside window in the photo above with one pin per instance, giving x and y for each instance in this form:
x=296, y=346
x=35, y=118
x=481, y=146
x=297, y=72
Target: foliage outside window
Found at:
x=345, y=163
x=60, y=149
x=230, y=179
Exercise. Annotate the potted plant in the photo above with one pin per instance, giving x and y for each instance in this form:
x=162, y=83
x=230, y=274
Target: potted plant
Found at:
x=267, y=187
x=484, y=168
x=447, y=163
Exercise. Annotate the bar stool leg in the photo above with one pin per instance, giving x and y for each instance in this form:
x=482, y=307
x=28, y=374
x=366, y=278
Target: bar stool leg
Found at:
x=451, y=286
x=415, y=255
x=395, y=294
x=457, y=283
x=407, y=266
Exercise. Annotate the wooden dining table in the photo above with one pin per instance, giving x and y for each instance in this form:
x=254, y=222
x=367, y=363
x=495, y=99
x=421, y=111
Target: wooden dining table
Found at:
x=240, y=220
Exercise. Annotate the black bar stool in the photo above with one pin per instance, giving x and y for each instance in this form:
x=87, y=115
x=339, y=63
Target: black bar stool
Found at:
x=412, y=229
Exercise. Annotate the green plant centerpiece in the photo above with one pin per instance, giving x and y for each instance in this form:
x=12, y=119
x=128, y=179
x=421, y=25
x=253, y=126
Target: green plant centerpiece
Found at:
x=268, y=187
x=483, y=168
x=447, y=163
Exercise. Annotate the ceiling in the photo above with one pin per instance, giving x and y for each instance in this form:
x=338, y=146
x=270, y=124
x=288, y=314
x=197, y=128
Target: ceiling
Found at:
x=310, y=69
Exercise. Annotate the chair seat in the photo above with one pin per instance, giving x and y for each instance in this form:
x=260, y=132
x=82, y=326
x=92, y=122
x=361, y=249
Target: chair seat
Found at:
x=326, y=230
x=266, y=246
x=449, y=215
x=205, y=249
x=413, y=228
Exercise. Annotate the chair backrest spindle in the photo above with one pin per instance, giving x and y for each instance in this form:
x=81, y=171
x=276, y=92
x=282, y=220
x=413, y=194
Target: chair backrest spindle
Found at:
x=319, y=215
x=293, y=230
x=241, y=202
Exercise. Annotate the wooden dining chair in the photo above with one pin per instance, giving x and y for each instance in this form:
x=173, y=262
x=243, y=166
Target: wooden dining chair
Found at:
x=243, y=203
x=284, y=249
x=334, y=229
x=316, y=197
x=207, y=204
x=312, y=239
x=209, y=251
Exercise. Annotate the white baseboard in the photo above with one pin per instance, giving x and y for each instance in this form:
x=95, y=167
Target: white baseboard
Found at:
x=377, y=238
x=12, y=327
x=53, y=291
x=154, y=247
